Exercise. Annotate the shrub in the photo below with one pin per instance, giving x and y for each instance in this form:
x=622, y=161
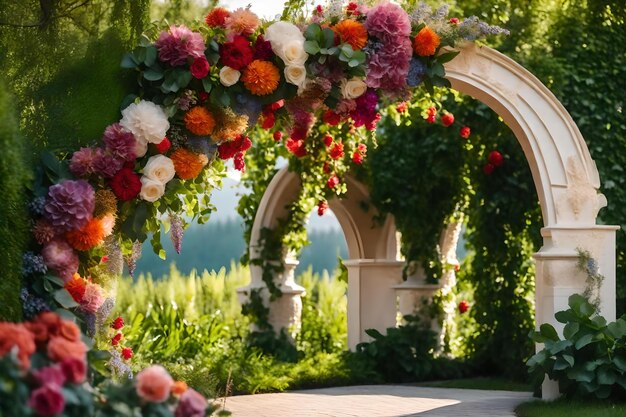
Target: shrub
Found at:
x=590, y=360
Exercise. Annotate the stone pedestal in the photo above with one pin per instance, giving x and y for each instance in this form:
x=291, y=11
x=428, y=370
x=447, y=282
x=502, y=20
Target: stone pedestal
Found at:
x=414, y=295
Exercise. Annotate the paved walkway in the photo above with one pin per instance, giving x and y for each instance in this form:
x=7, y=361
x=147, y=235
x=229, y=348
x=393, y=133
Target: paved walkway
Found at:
x=379, y=401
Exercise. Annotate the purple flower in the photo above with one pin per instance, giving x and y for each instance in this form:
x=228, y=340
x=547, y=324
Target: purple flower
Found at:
x=120, y=142
x=49, y=375
x=107, y=165
x=131, y=260
x=417, y=69
x=82, y=162
x=263, y=49
x=388, y=22
x=59, y=256
x=178, y=44
x=70, y=205
x=365, y=113
x=191, y=404
x=176, y=232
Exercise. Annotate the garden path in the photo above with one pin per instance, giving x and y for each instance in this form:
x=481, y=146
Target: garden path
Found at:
x=379, y=401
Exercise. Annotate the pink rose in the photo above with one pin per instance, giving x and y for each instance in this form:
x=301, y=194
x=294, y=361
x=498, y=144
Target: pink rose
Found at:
x=49, y=375
x=200, y=67
x=47, y=401
x=191, y=404
x=74, y=370
x=154, y=384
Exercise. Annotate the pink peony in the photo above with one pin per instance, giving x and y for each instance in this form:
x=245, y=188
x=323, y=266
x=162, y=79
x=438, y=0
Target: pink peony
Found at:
x=49, y=375
x=388, y=22
x=82, y=162
x=178, y=44
x=120, y=142
x=154, y=384
x=74, y=370
x=93, y=298
x=191, y=404
x=106, y=164
x=47, y=401
x=59, y=256
x=70, y=204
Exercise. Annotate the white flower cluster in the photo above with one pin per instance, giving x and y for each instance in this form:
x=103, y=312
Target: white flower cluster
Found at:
x=288, y=43
x=148, y=123
x=158, y=171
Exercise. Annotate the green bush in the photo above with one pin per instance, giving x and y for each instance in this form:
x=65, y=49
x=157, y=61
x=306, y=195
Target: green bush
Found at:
x=590, y=360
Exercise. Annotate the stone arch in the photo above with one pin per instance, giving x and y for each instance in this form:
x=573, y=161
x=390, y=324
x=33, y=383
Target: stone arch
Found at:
x=565, y=177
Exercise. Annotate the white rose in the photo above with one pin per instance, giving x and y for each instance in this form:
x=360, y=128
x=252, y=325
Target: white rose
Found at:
x=295, y=74
x=151, y=190
x=229, y=76
x=279, y=33
x=141, y=147
x=293, y=53
x=146, y=120
x=353, y=88
x=159, y=168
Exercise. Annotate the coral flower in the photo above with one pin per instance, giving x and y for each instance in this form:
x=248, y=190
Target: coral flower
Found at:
x=17, y=336
x=242, y=21
x=216, y=17
x=261, y=78
x=60, y=349
x=199, y=121
x=87, y=237
x=352, y=33
x=76, y=287
x=426, y=42
x=187, y=164
x=154, y=384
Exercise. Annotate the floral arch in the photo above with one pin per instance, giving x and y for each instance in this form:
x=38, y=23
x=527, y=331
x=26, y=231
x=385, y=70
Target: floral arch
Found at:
x=321, y=84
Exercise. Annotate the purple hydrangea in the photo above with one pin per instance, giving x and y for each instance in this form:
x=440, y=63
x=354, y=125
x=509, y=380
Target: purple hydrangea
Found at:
x=176, y=232
x=106, y=164
x=120, y=142
x=178, y=44
x=417, y=69
x=70, y=205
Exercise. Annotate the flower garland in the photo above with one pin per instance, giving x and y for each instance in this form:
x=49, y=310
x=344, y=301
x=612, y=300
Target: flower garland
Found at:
x=317, y=85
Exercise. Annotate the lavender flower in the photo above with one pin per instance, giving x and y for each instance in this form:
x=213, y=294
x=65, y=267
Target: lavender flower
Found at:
x=417, y=69
x=33, y=264
x=117, y=365
x=89, y=319
x=441, y=12
x=176, y=232
x=131, y=260
x=102, y=315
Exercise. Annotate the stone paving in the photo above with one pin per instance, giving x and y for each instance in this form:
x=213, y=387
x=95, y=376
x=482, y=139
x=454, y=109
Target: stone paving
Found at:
x=379, y=401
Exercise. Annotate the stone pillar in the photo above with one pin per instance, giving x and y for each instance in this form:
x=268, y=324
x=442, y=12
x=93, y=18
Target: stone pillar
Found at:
x=414, y=294
x=371, y=297
x=558, y=276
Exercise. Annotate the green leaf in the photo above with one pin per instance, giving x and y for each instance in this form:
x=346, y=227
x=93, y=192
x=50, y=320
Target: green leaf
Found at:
x=620, y=362
x=447, y=57
x=129, y=61
x=570, y=330
x=183, y=77
x=584, y=341
x=152, y=75
x=538, y=358
x=151, y=56
x=569, y=359
x=374, y=333
x=313, y=31
x=353, y=63
x=55, y=280
x=311, y=47
x=206, y=84
x=548, y=331
x=560, y=346
x=329, y=37
x=565, y=316
x=606, y=376
x=617, y=329
x=561, y=364
x=65, y=299
x=580, y=375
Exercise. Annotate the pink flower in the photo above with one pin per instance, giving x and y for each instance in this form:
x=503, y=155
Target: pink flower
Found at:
x=82, y=162
x=242, y=21
x=388, y=22
x=107, y=165
x=178, y=44
x=49, y=375
x=70, y=204
x=59, y=256
x=120, y=142
x=47, y=400
x=74, y=370
x=93, y=298
x=191, y=404
x=154, y=384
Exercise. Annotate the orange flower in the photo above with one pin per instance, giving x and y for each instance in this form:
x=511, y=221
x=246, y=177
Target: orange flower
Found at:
x=70, y=331
x=261, y=77
x=179, y=388
x=199, y=121
x=351, y=32
x=187, y=164
x=216, y=17
x=242, y=21
x=426, y=42
x=90, y=236
x=51, y=320
x=76, y=287
x=59, y=348
x=17, y=335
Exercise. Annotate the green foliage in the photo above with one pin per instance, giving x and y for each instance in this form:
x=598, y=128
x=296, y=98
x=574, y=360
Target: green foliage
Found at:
x=570, y=408
x=14, y=390
x=14, y=174
x=590, y=359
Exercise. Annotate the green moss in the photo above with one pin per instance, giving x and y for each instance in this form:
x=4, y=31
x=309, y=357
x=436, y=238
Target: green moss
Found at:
x=14, y=173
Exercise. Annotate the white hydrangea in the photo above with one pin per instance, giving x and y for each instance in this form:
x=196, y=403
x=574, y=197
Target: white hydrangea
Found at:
x=146, y=120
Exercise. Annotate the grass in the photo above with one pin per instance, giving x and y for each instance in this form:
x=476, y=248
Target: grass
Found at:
x=482, y=383
x=570, y=408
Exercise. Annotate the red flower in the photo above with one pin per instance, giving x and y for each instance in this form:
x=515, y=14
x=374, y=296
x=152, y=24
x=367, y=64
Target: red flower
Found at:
x=200, y=67
x=457, y=268
x=296, y=147
x=328, y=140
x=432, y=115
x=463, y=306
x=118, y=323
x=240, y=163
x=495, y=158
x=319, y=9
x=357, y=158
x=127, y=353
x=263, y=49
x=47, y=401
x=488, y=169
x=228, y=149
x=126, y=185
x=116, y=339
x=326, y=168
x=75, y=370
x=351, y=10
x=268, y=120
x=217, y=17
x=402, y=107
x=454, y=21
x=278, y=135
x=203, y=96
x=336, y=151
x=163, y=146
x=333, y=181
x=447, y=119
x=322, y=206
x=299, y=133
x=331, y=118
x=465, y=132
x=237, y=54
x=277, y=105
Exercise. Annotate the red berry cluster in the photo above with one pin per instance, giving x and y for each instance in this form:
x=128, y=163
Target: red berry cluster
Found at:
x=447, y=119
x=117, y=324
x=494, y=160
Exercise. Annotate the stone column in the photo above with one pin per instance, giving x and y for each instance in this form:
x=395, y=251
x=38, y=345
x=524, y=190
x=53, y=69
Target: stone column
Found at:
x=371, y=297
x=558, y=276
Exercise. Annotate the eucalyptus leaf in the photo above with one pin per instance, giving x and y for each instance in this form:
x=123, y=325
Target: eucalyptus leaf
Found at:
x=65, y=299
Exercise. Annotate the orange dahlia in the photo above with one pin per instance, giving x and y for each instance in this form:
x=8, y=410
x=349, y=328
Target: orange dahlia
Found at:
x=261, y=77
x=76, y=287
x=351, y=32
x=199, y=121
x=426, y=42
x=216, y=17
x=88, y=237
x=187, y=164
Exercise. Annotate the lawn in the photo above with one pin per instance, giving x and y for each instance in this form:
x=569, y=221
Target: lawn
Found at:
x=570, y=408
x=498, y=384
